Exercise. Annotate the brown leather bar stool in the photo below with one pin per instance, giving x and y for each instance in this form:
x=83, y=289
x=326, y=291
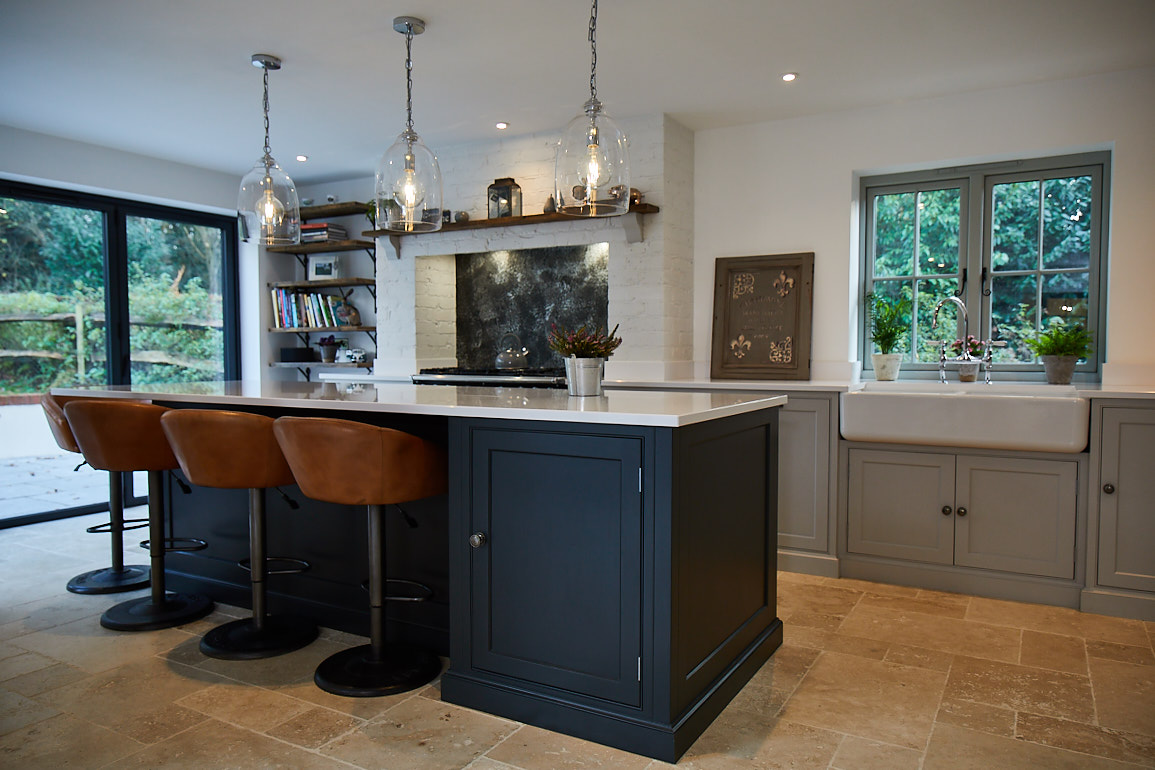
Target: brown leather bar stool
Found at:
x=126, y=436
x=237, y=450
x=118, y=577
x=352, y=463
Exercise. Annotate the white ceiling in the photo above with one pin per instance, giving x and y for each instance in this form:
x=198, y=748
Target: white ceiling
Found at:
x=172, y=78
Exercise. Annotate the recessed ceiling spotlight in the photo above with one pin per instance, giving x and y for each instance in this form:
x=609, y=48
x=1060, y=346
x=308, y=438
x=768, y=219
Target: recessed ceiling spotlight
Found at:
x=502, y=125
x=788, y=77
x=302, y=158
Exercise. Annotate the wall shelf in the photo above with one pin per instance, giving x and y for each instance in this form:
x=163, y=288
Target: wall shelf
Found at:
x=310, y=329
x=631, y=221
x=321, y=247
x=325, y=283
x=326, y=210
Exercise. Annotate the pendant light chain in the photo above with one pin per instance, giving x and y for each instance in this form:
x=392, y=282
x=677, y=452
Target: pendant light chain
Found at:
x=594, y=51
x=409, y=77
x=268, y=149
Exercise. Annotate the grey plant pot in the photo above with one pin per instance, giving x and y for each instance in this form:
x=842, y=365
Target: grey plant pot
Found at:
x=1059, y=369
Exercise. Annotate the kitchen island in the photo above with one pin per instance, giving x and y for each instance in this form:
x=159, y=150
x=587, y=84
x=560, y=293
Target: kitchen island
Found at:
x=602, y=566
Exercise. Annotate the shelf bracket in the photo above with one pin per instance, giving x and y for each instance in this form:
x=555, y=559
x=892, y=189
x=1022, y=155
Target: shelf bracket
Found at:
x=396, y=241
x=303, y=337
x=632, y=224
x=306, y=372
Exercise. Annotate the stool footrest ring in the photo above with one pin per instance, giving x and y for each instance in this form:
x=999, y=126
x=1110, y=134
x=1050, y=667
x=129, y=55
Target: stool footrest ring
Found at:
x=419, y=591
x=128, y=524
x=179, y=544
x=298, y=565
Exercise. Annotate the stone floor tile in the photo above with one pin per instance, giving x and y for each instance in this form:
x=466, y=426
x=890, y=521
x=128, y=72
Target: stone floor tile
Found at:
x=785, y=668
x=950, y=635
x=878, y=589
x=44, y=679
x=919, y=657
x=1087, y=739
x=531, y=748
x=956, y=748
x=740, y=741
x=216, y=744
x=795, y=598
x=315, y=727
x=1126, y=653
x=816, y=620
x=253, y=708
x=63, y=741
x=88, y=646
x=977, y=716
x=949, y=608
x=860, y=754
x=1056, y=620
x=419, y=733
x=1021, y=688
x=1054, y=651
x=871, y=699
x=18, y=712
x=23, y=663
x=1124, y=695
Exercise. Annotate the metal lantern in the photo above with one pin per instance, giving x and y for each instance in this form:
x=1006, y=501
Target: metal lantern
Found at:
x=504, y=198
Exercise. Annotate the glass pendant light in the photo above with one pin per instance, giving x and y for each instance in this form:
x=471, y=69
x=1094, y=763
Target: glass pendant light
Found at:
x=592, y=168
x=408, y=187
x=268, y=207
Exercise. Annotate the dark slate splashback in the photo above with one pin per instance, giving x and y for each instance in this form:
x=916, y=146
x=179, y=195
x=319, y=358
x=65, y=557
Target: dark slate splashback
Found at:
x=523, y=292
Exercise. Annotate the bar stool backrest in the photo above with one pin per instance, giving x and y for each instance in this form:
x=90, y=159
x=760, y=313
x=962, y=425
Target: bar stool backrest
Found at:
x=117, y=435
x=351, y=463
x=58, y=422
x=226, y=450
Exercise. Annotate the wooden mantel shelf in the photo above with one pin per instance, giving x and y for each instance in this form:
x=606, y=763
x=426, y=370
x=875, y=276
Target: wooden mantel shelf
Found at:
x=631, y=220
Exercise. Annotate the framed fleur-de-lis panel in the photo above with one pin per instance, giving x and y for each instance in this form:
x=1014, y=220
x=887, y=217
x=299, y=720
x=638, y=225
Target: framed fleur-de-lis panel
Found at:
x=762, y=317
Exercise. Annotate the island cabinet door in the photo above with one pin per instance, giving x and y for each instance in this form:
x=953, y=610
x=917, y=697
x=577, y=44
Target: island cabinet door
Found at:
x=555, y=575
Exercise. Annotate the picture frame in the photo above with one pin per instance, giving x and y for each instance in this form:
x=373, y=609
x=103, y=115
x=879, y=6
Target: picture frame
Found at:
x=324, y=267
x=762, y=317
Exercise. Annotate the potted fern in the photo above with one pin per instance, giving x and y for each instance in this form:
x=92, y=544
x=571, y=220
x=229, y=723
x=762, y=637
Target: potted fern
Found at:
x=1060, y=346
x=889, y=319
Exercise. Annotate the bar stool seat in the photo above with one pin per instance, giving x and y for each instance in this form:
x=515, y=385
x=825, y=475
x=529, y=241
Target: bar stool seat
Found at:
x=352, y=463
x=119, y=577
x=125, y=436
x=237, y=450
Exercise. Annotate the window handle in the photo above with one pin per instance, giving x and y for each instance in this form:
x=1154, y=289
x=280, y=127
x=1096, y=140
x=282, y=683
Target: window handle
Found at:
x=963, y=285
x=983, y=283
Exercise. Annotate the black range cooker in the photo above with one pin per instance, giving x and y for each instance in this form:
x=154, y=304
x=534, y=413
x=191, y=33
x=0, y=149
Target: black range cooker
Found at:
x=540, y=377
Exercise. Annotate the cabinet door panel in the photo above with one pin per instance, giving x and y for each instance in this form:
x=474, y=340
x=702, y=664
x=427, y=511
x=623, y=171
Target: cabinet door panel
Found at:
x=1127, y=516
x=557, y=586
x=895, y=505
x=1020, y=515
x=803, y=474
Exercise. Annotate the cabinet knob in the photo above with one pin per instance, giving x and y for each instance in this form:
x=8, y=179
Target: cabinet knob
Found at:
x=1109, y=489
x=477, y=539
x=947, y=510
x=962, y=511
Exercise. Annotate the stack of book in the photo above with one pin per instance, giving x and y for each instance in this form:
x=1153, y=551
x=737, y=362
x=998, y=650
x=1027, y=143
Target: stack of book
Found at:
x=319, y=232
x=298, y=309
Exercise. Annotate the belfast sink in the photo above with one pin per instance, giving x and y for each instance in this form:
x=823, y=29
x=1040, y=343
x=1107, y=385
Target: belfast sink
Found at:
x=1040, y=418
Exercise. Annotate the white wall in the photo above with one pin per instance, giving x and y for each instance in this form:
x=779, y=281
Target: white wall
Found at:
x=790, y=186
x=48, y=160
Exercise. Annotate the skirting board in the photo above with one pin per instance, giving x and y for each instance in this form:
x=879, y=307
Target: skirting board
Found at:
x=821, y=564
x=1138, y=606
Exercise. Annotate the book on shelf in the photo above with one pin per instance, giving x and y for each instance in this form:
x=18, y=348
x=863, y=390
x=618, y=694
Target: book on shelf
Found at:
x=316, y=232
x=294, y=309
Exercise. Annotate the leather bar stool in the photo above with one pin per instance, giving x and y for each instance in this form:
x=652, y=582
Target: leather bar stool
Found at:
x=119, y=577
x=237, y=450
x=352, y=463
x=126, y=436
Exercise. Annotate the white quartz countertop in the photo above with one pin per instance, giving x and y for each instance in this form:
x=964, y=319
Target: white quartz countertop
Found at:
x=658, y=408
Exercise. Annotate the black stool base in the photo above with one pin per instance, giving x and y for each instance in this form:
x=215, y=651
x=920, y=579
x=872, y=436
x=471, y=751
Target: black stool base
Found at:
x=110, y=581
x=143, y=615
x=242, y=640
x=354, y=674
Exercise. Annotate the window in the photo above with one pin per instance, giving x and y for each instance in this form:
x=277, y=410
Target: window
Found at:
x=1020, y=243
x=100, y=291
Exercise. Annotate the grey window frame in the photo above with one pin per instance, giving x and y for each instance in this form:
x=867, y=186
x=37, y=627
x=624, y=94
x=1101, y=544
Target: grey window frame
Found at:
x=976, y=183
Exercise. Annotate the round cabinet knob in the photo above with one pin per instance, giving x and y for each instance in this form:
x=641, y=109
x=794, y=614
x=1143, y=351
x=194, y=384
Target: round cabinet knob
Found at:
x=1109, y=489
x=947, y=510
x=962, y=511
x=477, y=539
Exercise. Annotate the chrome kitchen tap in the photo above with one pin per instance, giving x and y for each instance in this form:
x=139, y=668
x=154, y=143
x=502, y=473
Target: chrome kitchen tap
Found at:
x=962, y=308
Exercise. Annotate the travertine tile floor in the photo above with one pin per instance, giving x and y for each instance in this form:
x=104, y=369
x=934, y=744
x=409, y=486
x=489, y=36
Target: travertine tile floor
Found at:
x=870, y=676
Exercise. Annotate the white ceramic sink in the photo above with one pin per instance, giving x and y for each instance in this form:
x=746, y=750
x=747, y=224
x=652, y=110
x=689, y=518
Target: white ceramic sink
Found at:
x=1042, y=418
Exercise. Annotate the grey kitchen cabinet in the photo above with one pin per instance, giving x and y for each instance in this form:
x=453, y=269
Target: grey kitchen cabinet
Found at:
x=1127, y=489
x=1013, y=514
x=804, y=483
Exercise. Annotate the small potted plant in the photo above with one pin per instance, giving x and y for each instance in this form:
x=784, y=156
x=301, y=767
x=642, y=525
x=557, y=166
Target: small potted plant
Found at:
x=1060, y=346
x=585, y=351
x=328, y=346
x=889, y=324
